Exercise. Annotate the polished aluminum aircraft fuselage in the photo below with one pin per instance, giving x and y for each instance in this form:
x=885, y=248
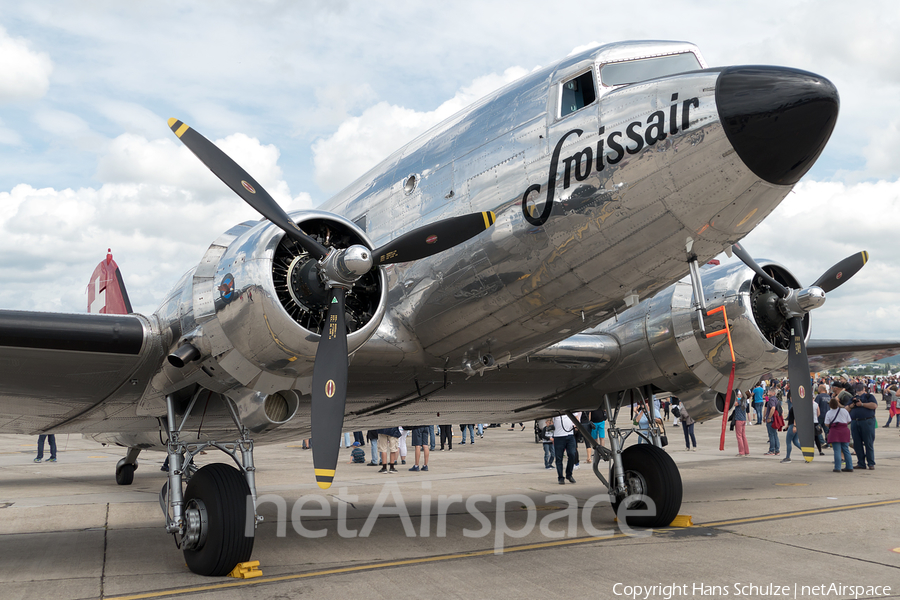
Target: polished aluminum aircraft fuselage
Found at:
x=596, y=210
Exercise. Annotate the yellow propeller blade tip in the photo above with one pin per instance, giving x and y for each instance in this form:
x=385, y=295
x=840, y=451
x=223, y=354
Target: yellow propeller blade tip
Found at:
x=324, y=477
x=181, y=128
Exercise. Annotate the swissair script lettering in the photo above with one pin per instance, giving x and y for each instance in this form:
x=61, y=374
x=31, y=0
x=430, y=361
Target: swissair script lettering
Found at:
x=610, y=150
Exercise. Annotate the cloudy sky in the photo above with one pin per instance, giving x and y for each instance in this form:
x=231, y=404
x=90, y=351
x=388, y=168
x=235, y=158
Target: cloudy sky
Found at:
x=308, y=94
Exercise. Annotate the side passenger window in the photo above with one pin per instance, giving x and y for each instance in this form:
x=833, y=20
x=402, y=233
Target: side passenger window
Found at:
x=577, y=93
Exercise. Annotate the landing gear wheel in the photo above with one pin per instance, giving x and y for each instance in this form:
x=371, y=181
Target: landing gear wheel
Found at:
x=215, y=502
x=650, y=472
x=125, y=474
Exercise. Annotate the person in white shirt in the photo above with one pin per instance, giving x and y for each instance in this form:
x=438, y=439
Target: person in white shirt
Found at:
x=564, y=443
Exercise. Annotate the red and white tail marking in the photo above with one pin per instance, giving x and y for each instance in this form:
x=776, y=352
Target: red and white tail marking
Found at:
x=106, y=290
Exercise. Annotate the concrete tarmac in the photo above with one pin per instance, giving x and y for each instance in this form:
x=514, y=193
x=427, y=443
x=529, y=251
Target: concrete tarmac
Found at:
x=496, y=525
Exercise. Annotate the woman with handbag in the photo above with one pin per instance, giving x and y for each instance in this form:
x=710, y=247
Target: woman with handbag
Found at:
x=837, y=419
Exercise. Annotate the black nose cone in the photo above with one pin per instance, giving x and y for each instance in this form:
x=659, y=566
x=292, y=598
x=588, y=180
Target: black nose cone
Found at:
x=778, y=120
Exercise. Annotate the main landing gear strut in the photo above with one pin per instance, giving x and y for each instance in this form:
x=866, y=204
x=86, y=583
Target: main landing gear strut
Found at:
x=214, y=517
x=643, y=476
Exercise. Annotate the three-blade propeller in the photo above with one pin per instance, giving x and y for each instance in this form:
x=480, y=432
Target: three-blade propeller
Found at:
x=794, y=304
x=338, y=270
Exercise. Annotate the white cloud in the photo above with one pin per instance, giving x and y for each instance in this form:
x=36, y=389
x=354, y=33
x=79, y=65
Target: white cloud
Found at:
x=856, y=50
x=51, y=240
x=581, y=48
x=862, y=43
x=158, y=209
x=132, y=158
x=25, y=74
x=361, y=142
x=821, y=223
x=883, y=151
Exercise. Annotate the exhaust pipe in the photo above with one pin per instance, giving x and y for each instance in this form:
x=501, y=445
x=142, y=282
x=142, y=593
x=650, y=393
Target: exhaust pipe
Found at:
x=183, y=355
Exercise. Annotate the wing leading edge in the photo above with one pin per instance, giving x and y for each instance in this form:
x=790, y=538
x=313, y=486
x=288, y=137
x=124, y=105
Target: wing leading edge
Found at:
x=58, y=367
x=830, y=354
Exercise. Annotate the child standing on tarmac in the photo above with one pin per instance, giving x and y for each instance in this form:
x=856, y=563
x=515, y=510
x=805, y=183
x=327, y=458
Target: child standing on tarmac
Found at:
x=547, y=439
x=357, y=455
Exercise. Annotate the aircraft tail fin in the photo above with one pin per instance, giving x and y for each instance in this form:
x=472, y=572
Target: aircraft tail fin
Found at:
x=106, y=289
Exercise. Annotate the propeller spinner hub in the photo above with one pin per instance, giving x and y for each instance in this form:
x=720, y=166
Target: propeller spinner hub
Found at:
x=355, y=261
x=343, y=267
x=800, y=302
x=811, y=298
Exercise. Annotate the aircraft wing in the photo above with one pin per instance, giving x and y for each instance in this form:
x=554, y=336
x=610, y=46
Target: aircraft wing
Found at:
x=57, y=367
x=829, y=354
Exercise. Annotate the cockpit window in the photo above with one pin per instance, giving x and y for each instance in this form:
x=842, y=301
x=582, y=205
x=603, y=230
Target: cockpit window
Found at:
x=577, y=93
x=633, y=71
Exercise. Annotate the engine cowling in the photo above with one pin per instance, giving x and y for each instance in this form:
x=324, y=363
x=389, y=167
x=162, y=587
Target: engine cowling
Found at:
x=262, y=412
x=661, y=343
x=254, y=307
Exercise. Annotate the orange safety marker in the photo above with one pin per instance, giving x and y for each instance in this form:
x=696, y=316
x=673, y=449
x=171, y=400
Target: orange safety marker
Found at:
x=727, y=331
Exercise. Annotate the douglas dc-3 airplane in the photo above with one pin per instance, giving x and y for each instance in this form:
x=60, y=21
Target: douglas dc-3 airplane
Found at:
x=523, y=258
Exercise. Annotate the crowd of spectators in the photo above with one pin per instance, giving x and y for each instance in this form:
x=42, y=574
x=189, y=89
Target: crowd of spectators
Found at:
x=844, y=418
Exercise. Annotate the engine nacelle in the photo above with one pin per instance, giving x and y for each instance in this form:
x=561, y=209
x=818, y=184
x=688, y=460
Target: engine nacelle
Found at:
x=262, y=412
x=661, y=342
x=254, y=308
x=703, y=404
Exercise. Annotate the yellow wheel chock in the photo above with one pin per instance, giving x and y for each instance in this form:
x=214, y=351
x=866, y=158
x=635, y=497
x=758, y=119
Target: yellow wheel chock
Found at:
x=246, y=570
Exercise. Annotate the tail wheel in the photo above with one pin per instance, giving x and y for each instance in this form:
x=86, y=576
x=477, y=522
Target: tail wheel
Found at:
x=215, y=502
x=651, y=472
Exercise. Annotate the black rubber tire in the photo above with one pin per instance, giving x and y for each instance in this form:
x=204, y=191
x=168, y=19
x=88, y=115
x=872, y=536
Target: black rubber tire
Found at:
x=224, y=491
x=125, y=474
x=663, y=484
